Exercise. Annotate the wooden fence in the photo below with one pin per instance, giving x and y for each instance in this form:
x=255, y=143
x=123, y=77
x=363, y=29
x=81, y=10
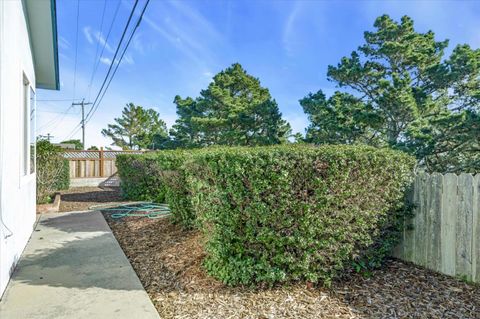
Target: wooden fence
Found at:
x=93, y=164
x=445, y=232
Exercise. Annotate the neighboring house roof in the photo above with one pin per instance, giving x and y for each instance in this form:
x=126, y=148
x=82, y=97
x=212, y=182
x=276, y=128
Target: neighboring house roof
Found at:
x=41, y=19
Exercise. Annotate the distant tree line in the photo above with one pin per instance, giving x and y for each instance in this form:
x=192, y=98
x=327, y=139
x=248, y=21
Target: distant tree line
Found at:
x=399, y=91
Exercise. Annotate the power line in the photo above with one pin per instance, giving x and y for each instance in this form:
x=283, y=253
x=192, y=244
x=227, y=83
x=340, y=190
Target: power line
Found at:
x=114, y=56
x=57, y=100
x=79, y=125
x=76, y=51
x=54, y=112
x=56, y=120
x=105, y=44
x=82, y=104
x=48, y=137
x=95, y=106
x=73, y=132
x=98, y=45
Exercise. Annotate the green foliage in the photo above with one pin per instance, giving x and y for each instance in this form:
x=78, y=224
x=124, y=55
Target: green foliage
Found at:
x=158, y=177
x=138, y=128
x=341, y=119
x=404, y=94
x=52, y=171
x=63, y=181
x=141, y=177
x=277, y=214
x=234, y=110
x=78, y=144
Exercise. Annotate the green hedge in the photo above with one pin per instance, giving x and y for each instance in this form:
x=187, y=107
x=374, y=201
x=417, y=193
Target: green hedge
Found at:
x=158, y=177
x=141, y=177
x=63, y=181
x=52, y=171
x=277, y=214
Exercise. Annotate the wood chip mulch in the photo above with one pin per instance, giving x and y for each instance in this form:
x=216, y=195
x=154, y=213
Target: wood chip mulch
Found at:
x=168, y=262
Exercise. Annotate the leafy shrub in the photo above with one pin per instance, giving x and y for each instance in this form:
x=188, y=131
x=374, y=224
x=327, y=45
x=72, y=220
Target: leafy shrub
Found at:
x=63, y=180
x=141, y=177
x=277, y=214
x=52, y=171
x=158, y=177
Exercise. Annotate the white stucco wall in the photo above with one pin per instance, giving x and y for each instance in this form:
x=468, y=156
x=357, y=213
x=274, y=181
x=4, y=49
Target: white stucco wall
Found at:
x=17, y=192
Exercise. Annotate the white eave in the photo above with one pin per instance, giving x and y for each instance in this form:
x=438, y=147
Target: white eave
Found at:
x=42, y=26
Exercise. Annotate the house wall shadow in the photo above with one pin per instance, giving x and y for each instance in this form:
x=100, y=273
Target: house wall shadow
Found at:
x=76, y=251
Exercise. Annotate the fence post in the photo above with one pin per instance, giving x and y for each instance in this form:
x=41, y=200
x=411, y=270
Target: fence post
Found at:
x=101, y=161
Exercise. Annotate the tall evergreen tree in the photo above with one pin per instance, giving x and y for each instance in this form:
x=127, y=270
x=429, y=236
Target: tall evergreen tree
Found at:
x=137, y=128
x=405, y=95
x=234, y=110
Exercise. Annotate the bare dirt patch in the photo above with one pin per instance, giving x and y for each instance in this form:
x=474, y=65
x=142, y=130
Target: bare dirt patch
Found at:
x=82, y=198
x=168, y=262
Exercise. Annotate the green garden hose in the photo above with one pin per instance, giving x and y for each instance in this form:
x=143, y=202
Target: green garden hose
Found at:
x=136, y=209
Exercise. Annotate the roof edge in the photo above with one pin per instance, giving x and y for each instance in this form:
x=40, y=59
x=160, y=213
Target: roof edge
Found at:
x=53, y=9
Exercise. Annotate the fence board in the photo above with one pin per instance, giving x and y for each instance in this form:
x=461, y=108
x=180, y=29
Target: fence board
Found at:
x=464, y=226
x=420, y=252
x=409, y=232
x=448, y=233
x=433, y=231
x=446, y=225
x=85, y=164
x=476, y=230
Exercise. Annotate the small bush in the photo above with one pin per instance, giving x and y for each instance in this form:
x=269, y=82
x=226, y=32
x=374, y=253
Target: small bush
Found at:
x=52, y=171
x=277, y=214
x=158, y=177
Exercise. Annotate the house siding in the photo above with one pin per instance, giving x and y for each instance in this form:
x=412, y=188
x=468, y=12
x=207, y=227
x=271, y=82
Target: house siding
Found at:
x=17, y=192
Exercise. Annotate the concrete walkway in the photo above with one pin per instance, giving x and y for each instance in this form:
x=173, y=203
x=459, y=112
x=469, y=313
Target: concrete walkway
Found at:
x=73, y=267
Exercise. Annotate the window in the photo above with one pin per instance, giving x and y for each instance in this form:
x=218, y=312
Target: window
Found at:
x=28, y=129
x=32, y=129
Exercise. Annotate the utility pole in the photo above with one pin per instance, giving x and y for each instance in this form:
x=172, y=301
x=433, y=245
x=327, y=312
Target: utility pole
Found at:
x=82, y=104
x=48, y=137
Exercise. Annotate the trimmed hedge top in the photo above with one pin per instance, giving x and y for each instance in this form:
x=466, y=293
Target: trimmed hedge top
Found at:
x=281, y=213
x=277, y=214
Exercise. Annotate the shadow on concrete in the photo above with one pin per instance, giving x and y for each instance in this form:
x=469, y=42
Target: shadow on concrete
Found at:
x=75, y=222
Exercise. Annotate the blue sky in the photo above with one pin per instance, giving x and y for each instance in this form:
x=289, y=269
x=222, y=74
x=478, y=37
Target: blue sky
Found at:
x=180, y=45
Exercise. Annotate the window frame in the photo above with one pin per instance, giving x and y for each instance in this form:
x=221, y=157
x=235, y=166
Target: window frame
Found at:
x=27, y=120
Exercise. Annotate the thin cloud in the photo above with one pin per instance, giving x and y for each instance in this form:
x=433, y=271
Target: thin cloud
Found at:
x=189, y=32
x=88, y=34
x=106, y=61
x=63, y=43
x=99, y=37
x=138, y=43
x=127, y=59
x=288, y=30
x=96, y=36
